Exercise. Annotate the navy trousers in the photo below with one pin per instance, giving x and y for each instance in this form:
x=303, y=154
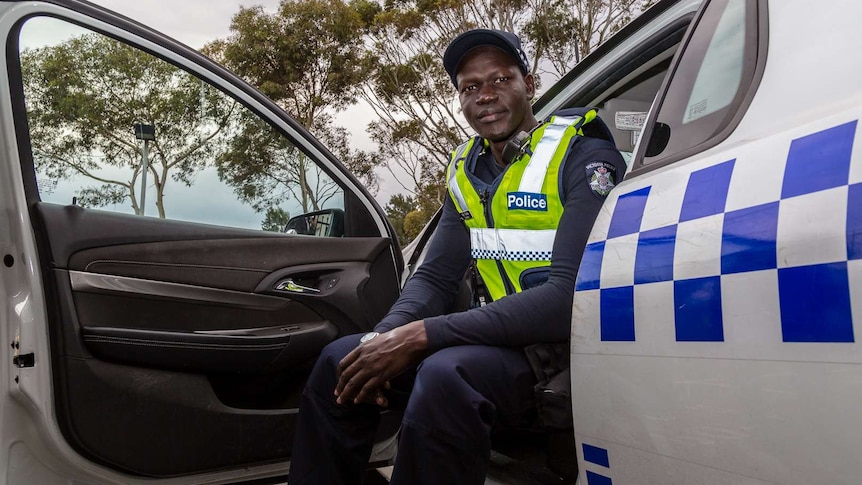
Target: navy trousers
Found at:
x=458, y=394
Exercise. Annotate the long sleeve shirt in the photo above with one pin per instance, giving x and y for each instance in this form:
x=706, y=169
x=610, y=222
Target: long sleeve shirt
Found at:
x=538, y=314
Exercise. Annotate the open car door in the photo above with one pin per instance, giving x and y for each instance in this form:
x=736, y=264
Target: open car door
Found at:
x=165, y=331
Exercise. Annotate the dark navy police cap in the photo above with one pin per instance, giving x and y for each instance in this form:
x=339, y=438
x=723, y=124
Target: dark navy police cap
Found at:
x=464, y=43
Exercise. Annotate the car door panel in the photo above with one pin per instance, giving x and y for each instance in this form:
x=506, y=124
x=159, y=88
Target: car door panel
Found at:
x=75, y=229
x=164, y=323
x=268, y=349
x=160, y=423
x=177, y=348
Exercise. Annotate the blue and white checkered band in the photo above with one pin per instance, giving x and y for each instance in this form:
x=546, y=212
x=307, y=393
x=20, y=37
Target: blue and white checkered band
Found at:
x=511, y=255
x=524, y=60
x=512, y=244
x=756, y=249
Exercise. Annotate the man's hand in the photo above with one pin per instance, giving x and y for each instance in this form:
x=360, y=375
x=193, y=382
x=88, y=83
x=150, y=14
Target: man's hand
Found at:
x=365, y=371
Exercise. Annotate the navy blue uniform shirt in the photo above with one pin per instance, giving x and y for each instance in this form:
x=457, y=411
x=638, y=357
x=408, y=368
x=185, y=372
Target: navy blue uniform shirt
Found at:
x=539, y=314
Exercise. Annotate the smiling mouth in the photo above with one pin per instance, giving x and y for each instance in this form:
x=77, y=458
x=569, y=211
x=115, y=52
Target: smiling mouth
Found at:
x=490, y=116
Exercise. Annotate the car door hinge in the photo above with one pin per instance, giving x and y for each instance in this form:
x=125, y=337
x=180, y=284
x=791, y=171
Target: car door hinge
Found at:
x=24, y=360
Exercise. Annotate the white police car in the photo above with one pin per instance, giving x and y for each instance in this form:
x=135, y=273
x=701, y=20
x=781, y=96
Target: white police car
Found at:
x=718, y=306
x=715, y=315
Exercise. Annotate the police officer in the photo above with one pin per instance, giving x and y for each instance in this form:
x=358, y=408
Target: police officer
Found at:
x=524, y=215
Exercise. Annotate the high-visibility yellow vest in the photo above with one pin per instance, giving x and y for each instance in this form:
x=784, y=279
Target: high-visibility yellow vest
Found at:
x=513, y=224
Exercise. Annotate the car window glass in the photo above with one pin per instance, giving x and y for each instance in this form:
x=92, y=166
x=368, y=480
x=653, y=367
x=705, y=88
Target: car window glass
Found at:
x=718, y=78
x=625, y=89
x=625, y=110
x=708, y=83
x=100, y=111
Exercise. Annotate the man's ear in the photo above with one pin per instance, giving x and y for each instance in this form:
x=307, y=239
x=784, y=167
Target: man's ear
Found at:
x=530, y=82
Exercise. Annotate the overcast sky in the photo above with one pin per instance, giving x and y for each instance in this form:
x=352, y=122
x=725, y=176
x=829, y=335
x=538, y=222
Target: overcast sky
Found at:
x=193, y=22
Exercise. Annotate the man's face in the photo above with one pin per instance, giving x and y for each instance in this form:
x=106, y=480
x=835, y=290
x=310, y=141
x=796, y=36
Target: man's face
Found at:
x=494, y=94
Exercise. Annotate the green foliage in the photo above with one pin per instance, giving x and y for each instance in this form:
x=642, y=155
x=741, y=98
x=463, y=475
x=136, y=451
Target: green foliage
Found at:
x=313, y=57
x=409, y=214
x=568, y=30
x=275, y=220
x=102, y=196
x=309, y=57
x=414, y=222
x=367, y=10
x=265, y=169
x=83, y=98
x=397, y=208
x=361, y=163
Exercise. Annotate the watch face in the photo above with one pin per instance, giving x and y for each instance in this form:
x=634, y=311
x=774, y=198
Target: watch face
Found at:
x=368, y=336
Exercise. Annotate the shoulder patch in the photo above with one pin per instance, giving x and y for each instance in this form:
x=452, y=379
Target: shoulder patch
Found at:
x=602, y=177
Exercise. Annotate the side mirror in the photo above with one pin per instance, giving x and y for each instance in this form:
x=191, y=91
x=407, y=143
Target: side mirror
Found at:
x=658, y=139
x=326, y=223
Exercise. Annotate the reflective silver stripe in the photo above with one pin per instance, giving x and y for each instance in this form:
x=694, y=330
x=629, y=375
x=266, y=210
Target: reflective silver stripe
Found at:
x=564, y=120
x=459, y=152
x=534, y=174
x=512, y=244
x=460, y=203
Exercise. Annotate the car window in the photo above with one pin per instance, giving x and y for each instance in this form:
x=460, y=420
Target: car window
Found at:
x=708, y=84
x=625, y=111
x=718, y=79
x=626, y=86
x=115, y=128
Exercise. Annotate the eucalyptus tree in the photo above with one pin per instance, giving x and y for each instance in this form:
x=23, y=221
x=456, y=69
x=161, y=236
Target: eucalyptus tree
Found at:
x=83, y=98
x=308, y=57
x=418, y=119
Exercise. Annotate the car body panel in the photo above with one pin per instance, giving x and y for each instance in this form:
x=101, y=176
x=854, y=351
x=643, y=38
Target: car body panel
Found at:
x=717, y=344
x=716, y=374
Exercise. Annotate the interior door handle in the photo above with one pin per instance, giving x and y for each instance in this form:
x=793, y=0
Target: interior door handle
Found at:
x=291, y=286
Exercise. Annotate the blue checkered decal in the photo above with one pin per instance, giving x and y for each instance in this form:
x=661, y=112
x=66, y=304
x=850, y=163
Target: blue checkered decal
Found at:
x=598, y=456
x=594, y=454
x=596, y=479
x=814, y=299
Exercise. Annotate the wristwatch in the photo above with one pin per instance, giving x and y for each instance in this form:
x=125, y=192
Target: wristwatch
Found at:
x=368, y=336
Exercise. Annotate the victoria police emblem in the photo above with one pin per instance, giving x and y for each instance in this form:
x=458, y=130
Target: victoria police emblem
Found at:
x=602, y=177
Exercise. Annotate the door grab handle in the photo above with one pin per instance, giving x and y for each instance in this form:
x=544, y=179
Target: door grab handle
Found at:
x=293, y=287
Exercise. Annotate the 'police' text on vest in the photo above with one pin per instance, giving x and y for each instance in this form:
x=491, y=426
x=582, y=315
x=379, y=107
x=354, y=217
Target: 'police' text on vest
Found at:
x=527, y=201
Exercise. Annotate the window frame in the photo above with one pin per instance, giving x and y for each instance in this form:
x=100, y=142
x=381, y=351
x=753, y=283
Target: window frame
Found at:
x=360, y=207
x=606, y=81
x=754, y=61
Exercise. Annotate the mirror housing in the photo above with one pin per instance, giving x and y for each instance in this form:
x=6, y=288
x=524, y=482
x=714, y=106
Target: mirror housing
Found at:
x=658, y=139
x=324, y=223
